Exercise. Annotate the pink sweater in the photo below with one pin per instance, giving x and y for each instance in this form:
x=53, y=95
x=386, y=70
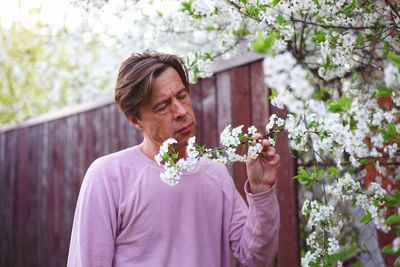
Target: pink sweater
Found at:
x=126, y=216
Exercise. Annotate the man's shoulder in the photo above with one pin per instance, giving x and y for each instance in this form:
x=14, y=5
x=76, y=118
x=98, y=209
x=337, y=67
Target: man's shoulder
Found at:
x=127, y=157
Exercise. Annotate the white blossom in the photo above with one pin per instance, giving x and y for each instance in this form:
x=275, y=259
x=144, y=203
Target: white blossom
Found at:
x=252, y=130
x=254, y=150
x=391, y=149
x=333, y=246
x=230, y=136
x=392, y=75
x=164, y=149
x=396, y=244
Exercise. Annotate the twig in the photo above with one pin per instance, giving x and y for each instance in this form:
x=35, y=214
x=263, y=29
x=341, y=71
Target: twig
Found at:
x=314, y=152
x=393, y=8
x=238, y=8
x=267, y=135
x=301, y=45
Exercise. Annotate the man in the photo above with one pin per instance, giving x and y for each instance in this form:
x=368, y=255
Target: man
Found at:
x=126, y=216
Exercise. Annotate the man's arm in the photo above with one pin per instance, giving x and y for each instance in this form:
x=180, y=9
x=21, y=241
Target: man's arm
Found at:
x=95, y=222
x=254, y=235
x=254, y=241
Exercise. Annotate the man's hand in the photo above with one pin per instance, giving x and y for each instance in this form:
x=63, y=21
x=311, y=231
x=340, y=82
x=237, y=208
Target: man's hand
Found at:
x=262, y=171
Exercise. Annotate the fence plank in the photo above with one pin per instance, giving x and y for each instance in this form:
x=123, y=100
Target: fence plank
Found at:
x=120, y=124
x=259, y=97
x=58, y=176
x=287, y=196
x=196, y=97
x=42, y=155
x=241, y=114
x=208, y=117
x=71, y=180
x=8, y=204
x=24, y=202
x=86, y=144
x=4, y=206
x=224, y=104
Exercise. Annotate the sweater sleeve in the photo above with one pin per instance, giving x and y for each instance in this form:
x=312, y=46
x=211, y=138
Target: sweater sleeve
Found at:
x=254, y=231
x=95, y=221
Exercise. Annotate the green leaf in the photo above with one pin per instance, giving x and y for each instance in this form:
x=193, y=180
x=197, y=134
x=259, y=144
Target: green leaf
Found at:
x=274, y=94
x=320, y=20
x=322, y=92
x=320, y=173
x=390, y=132
x=280, y=20
x=333, y=171
x=394, y=58
x=253, y=10
x=337, y=106
x=353, y=124
x=165, y=157
x=392, y=199
x=348, y=9
x=383, y=90
x=187, y=6
x=334, y=106
x=359, y=39
x=345, y=102
x=269, y=41
x=356, y=264
x=318, y=37
x=397, y=262
x=303, y=176
x=333, y=39
x=258, y=44
x=366, y=218
x=261, y=44
x=211, y=28
x=386, y=49
x=393, y=219
x=345, y=253
x=312, y=124
x=363, y=162
x=388, y=249
x=327, y=62
x=275, y=3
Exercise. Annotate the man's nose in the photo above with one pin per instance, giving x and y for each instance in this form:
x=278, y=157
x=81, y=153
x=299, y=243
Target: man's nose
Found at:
x=179, y=109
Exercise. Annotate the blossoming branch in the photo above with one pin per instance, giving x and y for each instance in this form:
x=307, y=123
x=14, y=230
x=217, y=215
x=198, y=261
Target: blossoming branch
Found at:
x=234, y=143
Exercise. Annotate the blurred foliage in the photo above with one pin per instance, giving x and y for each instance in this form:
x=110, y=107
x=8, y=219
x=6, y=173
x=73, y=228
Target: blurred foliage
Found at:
x=43, y=68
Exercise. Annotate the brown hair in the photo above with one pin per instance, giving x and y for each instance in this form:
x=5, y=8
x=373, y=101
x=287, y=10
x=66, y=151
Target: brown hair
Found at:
x=136, y=76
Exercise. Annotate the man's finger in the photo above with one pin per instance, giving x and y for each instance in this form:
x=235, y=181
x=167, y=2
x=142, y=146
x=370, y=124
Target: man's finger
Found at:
x=276, y=160
x=266, y=144
x=271, y=151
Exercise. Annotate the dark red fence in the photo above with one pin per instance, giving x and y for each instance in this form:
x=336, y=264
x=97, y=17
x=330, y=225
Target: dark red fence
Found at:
x=42, y=164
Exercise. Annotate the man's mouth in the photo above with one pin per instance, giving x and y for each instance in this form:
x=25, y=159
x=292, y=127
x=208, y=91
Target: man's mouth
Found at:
x=185, y=129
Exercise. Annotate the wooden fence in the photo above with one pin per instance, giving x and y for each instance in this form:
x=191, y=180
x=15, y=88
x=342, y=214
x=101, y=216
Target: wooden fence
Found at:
x=43, y=161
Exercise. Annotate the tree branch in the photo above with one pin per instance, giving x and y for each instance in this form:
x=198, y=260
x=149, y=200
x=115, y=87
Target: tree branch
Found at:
x=393, y=8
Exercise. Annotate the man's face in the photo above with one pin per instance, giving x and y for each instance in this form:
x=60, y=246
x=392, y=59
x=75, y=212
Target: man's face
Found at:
x=169, y=113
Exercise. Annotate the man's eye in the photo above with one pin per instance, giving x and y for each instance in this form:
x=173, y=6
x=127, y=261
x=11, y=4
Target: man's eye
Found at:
x=162, y=108
x=182, y=96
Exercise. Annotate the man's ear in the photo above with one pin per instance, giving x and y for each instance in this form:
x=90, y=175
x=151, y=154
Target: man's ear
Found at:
x=135, y=122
